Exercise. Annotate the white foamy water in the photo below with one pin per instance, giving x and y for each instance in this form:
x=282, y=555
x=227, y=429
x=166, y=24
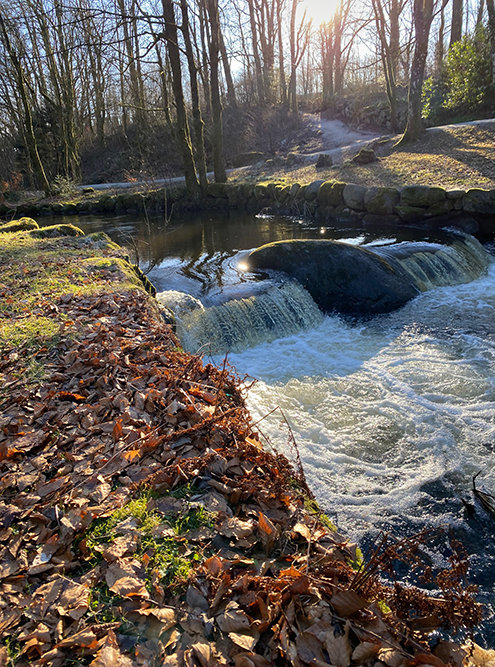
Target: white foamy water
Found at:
x=392, y=416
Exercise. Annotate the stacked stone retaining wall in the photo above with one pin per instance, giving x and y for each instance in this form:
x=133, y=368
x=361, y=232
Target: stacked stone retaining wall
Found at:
x=326, y=201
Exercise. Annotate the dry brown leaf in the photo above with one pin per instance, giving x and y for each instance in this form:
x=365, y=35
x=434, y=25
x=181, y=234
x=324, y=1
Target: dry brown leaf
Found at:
x=109, y=655
x=339, y=647
x=391, y=657
x=121, y=546
x=85, y=639
x=249, y=659
x=451, y=653
x=74, y=601
x=302, y=530
x=268, y=532
x=233, y=619
x=235, y=527
x=246, y=640
x=347, y=603
x=309, y=648
x=126, y=577
x=364, y=651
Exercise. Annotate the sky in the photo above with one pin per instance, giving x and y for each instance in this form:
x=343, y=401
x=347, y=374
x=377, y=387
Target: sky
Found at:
x=319, y=10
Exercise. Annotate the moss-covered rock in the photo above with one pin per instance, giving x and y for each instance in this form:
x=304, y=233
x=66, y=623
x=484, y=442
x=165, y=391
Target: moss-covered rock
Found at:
x=381, y=201
x=311, y=191
x=56, y=230
x=421, y=195
x=20, y=225
x=479, y=201
x=410, y=213
x=330, y=193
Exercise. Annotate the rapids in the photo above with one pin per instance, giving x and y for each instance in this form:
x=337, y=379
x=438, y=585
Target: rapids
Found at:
x=392, y=416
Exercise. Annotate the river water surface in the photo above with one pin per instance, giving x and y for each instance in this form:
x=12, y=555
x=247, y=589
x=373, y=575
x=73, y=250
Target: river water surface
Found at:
x=392, y=416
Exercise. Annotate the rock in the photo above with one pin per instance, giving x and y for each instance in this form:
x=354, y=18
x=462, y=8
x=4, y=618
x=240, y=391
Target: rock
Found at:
x=339, y=277
x=20, y=225
x=179, y=303
x=294, y=190
x=410, y=213
x=56, y=230
x=330, y=193
x=353, y=196
x=440, y=208
x=88, y=190
x=381, y=201
x=312, y=190
x=421, y=195
x=365, y=156
x=324, y=160
x=454, y=194
x=479, y=201
x=346, y=216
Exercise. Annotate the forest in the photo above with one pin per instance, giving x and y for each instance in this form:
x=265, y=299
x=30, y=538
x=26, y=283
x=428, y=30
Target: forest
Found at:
x=130, y=89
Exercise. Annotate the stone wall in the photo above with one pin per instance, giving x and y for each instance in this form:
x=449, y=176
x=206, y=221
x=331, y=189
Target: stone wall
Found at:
x=327, y=201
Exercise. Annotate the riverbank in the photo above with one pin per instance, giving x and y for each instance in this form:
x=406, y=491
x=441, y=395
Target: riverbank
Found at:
x=142, y=519
x=447, y=178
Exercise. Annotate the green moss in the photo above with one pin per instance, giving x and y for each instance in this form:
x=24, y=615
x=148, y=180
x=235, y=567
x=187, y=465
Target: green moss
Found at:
x=21, y=225
x=56, y=230
x=163, y=554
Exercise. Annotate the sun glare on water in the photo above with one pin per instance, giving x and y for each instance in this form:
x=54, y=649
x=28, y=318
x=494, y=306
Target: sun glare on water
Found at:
x=319, y=11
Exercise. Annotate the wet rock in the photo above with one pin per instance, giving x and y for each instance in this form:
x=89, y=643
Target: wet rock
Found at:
x=338, y=276
x=311, y=190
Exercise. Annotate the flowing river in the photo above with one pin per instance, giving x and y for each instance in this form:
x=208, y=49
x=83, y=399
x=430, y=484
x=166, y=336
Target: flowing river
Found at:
x=392, y=415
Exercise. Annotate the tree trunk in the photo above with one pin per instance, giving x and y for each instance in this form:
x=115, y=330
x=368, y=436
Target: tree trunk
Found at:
x=456, y=27
x=196, y=109
x=491, y=27
x=183, y=136
x=216, y=105
x=256, y=54
x=228, y=73
x=281, y=64
x=423, y=14
x=28, y=119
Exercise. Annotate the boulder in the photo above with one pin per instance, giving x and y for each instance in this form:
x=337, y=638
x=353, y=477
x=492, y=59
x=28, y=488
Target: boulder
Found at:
x=20, y=225
x=365, y=156
x=381, y=201
x=311, y=190
x=421, y=195
x=330, y=193
x=479, y=201
x=339, y=277
x=53, y=231
x=410, y=213
x=324, y=161
x=353, y=196
x=217, y=190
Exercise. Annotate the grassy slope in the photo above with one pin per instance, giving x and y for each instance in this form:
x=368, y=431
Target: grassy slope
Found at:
x=459, y=157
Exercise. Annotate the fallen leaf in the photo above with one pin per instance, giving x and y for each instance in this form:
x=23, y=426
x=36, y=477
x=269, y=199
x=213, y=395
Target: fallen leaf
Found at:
x=233, y=619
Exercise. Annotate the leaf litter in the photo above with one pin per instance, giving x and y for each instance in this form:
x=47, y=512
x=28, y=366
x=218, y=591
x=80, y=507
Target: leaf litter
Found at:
x=142, y=522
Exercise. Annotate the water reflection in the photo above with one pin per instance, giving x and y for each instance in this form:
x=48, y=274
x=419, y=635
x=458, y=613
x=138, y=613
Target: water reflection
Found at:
x=201, y=253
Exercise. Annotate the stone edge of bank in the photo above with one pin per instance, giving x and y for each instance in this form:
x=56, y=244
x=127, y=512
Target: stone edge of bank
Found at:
x=330, y=201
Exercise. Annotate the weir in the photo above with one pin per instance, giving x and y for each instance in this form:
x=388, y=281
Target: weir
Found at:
x=431, y=265
x=286, y=309
x=280, y=311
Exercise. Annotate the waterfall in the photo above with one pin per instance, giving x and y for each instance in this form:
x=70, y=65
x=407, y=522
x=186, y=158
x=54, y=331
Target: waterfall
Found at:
x=436, y=265
x=282, y=310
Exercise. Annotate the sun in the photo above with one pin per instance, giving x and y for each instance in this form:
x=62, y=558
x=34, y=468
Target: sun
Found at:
x=320, y=11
